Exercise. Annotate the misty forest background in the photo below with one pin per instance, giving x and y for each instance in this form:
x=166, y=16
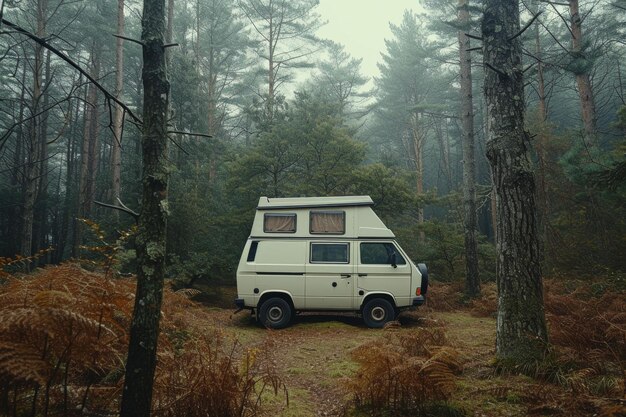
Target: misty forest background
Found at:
x=290, y=114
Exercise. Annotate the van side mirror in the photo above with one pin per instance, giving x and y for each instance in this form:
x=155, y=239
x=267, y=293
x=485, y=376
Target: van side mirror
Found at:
x=393, y=260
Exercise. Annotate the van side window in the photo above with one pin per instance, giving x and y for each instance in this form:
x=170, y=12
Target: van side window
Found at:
x=335, y=253
x=279, y=223
x=252, y=253
x=380, y=253
x=327, y=222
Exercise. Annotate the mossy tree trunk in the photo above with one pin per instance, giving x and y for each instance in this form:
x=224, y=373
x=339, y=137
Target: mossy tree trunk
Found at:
x=141, y=361
x=521, y=329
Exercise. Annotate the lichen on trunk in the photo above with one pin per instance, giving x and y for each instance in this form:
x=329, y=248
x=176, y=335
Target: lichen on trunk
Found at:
x=521, y=330
x=141, y=361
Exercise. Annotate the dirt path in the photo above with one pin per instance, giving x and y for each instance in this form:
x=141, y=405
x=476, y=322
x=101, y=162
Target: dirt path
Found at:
x=313, y=355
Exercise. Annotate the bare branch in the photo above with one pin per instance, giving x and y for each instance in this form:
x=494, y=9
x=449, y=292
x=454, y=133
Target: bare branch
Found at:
x=502, y=73
x=526, y=26
x=178, y=145
x=138, y=42
x=202, y=135
x=120, y=207
x=65, y=58
x=478, y=38
x=552, y=3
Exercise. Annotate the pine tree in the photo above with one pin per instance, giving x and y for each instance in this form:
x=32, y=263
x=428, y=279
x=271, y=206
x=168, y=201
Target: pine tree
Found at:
x=521, y=333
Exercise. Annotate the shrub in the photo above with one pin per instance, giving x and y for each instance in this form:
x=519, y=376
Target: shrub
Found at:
x=404, y=373
x=63, y=342
x=588, y=335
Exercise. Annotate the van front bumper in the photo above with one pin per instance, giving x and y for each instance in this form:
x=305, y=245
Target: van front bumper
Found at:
x=419, y=300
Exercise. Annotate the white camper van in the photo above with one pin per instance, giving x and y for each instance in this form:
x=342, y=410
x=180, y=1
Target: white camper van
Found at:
x=325, y=254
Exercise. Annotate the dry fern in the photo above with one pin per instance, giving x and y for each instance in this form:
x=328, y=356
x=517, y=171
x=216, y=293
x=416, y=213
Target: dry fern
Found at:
x=404, y=372
x=21, y=365
x=63, y=334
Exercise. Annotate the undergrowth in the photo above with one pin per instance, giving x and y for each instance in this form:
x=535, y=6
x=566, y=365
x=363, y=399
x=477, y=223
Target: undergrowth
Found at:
x=405, y=374
x=586, y=354
x=588, y=337
x=64, y=338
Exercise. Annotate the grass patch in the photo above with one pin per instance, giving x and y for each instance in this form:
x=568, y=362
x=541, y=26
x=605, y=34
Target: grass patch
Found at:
x=342, y=369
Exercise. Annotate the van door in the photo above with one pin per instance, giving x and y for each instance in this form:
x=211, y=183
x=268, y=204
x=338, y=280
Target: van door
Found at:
x=381, y=267
x=280, y=267
x=329, y=282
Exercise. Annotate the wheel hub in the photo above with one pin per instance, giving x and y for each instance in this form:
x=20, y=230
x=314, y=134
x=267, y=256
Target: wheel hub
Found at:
x=275, y=313
x=378, y=313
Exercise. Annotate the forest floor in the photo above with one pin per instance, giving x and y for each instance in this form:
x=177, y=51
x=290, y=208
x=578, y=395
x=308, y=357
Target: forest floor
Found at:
x=443, y=349
x=313, y=358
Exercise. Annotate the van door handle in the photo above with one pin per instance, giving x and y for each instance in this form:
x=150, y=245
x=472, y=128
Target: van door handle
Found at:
x=362, y=275
x=346, y=275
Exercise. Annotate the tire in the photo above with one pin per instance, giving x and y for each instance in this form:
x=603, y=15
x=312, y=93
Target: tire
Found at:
x=275, y=313
x=377, y=312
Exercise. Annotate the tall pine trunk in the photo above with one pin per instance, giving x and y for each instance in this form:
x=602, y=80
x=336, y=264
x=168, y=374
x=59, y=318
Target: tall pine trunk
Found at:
x=116, y=148
x=89, y=150
x=150, y=241
x=40, y=227
x=32, y=167
x=542, y=139
x=583, y=81
x=417, y=139
x=521, y=329
x=14, y=227
x=470, y=224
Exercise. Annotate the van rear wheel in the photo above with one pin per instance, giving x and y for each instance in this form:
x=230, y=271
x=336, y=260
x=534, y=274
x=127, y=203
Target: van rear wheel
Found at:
x=377, y=312
x=275, y=313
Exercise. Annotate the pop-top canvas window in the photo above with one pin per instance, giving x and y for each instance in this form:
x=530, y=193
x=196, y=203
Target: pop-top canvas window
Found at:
x=279, y=223
x=328, y=222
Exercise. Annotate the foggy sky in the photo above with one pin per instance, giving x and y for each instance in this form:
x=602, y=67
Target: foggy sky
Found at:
x=362, y=26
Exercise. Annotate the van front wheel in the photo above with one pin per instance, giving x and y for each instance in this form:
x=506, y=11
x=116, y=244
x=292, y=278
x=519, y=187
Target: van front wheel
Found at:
x=275, y=313
x=377, y=312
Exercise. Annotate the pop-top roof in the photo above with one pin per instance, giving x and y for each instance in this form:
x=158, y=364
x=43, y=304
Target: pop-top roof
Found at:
x=266, y=203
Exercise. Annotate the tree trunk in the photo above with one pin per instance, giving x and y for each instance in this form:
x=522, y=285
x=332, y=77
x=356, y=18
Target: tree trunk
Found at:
x=169, y=34
x=417, y=137
x=77, y=240
x=33, y=156
x=17, y=178
x=521, y=329
x=472, y=280
x=583, y=80
x=271, y=70
x=88, y=158
x=150, y=241
x=40, y=227
x=444, y=154
x=542, y=138
x=68, y=206
x=116, y=148
x=94, y=139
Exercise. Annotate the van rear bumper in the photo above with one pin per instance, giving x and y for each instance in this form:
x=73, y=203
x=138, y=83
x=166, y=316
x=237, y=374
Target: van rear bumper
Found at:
x=419, y=300
x=239, y=302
